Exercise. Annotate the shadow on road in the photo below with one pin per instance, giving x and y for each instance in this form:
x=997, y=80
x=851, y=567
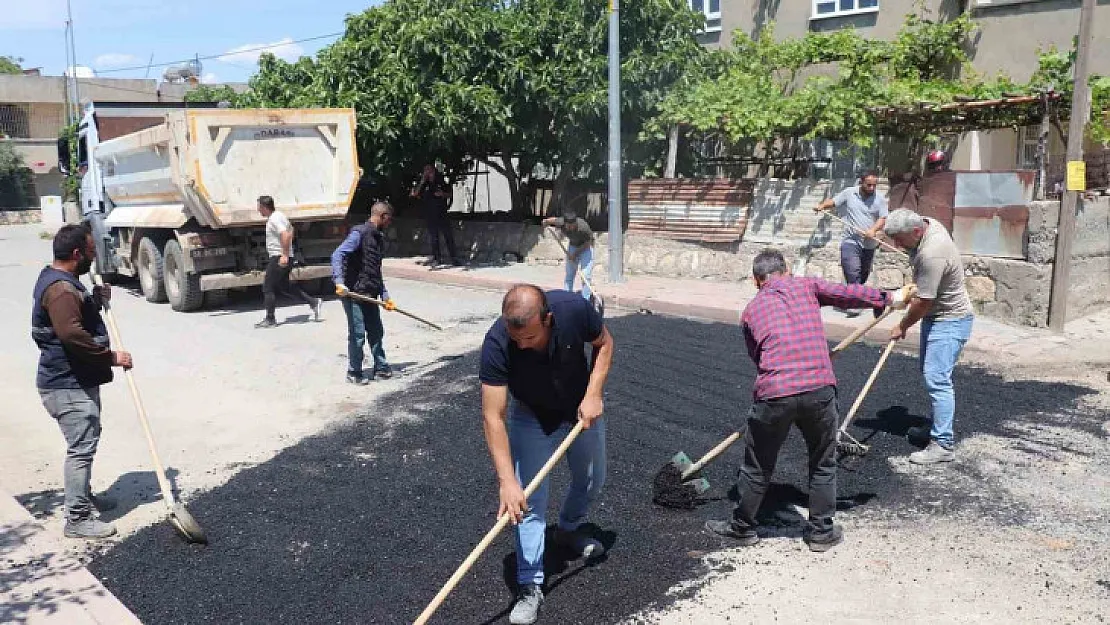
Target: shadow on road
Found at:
x=364, y=522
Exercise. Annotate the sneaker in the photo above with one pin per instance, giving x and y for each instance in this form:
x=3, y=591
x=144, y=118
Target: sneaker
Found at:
x=103, y=503
x=384, y=374
x=266, y=323
x=357, y=378
x=579, y=543
x=316, y=305
x=746, y=538
x=851, y=314
x=89, y=528
x=527, y=607
x=821, y=543
x=933, y=454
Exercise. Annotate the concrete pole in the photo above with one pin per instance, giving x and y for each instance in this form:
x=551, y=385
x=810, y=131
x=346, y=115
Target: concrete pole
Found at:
x=616, y=236
x=1077, y=126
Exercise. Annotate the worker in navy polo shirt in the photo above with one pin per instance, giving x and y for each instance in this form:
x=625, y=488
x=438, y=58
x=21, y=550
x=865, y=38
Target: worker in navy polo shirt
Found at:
x=535, y=353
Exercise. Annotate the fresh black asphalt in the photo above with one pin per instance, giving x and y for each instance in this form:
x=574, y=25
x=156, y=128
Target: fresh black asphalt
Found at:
x=364, y=523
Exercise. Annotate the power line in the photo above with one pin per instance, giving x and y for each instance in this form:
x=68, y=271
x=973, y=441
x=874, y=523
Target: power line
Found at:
x=270, y=46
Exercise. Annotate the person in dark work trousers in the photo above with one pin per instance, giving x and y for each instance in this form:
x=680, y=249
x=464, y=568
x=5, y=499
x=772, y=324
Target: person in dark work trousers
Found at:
x=580, y=249
x=795, y=385
x=75, y=359
x=865, y=211
x=435, y=198
x=279, y=249
x=535, y=354
x=356, y=266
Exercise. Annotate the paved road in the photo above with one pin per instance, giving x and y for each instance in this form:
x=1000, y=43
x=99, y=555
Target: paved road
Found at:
x=329, y=505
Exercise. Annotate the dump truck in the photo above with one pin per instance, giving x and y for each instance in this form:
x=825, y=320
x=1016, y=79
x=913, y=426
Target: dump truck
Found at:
x=170, y=193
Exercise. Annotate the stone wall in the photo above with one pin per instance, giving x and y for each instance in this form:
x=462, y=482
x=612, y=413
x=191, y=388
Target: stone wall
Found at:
x=30, y=216
x=1016, y=291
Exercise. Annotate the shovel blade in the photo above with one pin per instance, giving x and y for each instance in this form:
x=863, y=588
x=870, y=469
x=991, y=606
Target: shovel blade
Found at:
x=681, y=462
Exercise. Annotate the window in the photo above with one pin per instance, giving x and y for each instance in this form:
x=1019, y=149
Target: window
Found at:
x=841, y=8
x=1027, y=141
x=712, y=11
x=998, y=3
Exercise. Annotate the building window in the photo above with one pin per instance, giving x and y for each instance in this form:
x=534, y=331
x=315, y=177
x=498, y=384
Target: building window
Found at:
x=841, y=8
x=712, y=11
x=997, y=3
x=1027, y=142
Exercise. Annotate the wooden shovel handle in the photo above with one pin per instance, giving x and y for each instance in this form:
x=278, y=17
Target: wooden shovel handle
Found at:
x=711, y=454
x=867, y=385
x=884, y=244
x=496, y=529
x=160, y=472
x=854, y=336
x=372, y=300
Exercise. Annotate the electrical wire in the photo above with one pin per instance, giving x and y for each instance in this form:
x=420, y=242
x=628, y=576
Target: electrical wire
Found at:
x=216, y=56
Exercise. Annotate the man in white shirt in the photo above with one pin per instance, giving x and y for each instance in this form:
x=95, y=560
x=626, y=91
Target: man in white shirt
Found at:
x=279, y=248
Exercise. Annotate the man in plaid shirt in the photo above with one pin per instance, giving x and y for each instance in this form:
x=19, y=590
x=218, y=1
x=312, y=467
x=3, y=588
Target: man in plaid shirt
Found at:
x=795, y=385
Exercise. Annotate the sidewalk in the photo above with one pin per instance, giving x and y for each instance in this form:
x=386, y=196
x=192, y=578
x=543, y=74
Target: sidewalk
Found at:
x=42, y=584
x=1085, y=340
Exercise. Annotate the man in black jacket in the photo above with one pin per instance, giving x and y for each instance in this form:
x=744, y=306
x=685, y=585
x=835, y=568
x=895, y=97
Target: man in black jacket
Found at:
x=356, y=267
x=435, y=198
x=74, y=360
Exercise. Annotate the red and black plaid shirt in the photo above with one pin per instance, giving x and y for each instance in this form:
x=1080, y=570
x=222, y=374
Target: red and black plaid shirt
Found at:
x=786, y=337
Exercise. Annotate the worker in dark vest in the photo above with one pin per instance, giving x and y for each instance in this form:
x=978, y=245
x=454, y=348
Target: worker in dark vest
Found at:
x=74, y=361
x=356, y=266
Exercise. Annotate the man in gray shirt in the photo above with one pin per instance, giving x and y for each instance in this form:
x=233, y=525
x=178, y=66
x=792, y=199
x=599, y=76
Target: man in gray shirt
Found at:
x=946, y=316
x=580, y=251
x=865, y=211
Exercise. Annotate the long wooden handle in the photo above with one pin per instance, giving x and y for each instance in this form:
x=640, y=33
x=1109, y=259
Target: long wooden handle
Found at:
x=581, y=275
x=371, y=300
x=160, y=472
x=884, y=244
x=711, y=454
x=500, y=525
x=854, y=336
x=867, y=385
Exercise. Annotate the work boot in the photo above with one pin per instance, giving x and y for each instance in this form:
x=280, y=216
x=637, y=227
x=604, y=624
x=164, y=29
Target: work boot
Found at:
x=581, y=544
x=315, y=306
x=266, y=323
x=102, y=503
x=933, y=454
x=746, y=538
x=89, y=529
x=821, y=543
x=357, y=378
x=527, y=607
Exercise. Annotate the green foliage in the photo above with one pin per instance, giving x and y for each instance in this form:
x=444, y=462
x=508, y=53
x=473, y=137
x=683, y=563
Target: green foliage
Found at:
x=516, y=85
x=10, y=65
x=72, y=183
x=206, y=93
x=17, y=187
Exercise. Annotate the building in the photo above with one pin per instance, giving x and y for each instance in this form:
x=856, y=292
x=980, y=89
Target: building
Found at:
x=33, y=114
x=1011, y=32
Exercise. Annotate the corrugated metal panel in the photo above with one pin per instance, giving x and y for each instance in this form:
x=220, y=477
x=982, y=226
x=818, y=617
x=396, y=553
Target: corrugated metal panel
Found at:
x=991, y=212
x=698, y=210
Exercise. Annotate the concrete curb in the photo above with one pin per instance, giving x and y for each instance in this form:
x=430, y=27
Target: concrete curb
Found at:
x=41, y=583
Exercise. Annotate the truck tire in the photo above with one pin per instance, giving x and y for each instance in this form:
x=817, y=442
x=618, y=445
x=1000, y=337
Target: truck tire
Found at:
x=150, y=265
x=182, y=287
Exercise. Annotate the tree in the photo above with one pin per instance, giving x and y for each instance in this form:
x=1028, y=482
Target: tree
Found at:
x=515, y=85
x=10, y=65
x=206, y=93
x=17, y=187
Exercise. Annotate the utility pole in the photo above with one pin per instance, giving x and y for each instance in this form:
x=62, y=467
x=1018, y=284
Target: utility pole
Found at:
x=1076, y=171
x=616, y=236
x=73, y=60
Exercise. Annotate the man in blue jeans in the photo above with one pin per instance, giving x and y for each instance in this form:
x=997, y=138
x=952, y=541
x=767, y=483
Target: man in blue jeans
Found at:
x=358, y=262
x=580, y=251
x=535, y=353
x=74, y=361
x=865, y=212
x=944, y=309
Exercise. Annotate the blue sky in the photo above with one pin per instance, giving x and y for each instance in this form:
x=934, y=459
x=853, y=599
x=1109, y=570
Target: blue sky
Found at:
x=114, y=34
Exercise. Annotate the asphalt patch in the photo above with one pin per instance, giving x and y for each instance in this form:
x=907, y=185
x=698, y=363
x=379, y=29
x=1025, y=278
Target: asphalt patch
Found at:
x=364, y=523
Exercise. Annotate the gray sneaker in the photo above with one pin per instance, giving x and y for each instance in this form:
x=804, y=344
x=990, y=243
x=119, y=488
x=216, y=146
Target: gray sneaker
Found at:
x=933, y=454
x=89, y=528
x=579, y=543
x=527, y=607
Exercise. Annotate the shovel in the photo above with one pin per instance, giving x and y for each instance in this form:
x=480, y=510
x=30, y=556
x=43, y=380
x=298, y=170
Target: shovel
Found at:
x=179, y=516
x=371, y=300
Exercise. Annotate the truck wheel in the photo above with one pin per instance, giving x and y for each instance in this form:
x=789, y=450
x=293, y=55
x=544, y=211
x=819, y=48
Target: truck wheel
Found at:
x=182, y=287
x=150, y=271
